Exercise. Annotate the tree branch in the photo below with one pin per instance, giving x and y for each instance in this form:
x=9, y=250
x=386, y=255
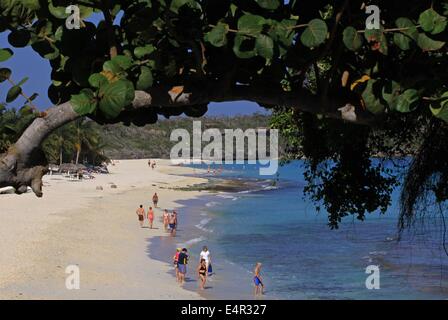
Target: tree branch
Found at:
x=24, y=164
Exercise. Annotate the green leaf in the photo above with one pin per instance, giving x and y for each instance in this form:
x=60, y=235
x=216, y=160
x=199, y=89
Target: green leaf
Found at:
x=19, y=38
x=57, y=12
x=115, y=96
x=45, y=49
x=244, y=47
x=251, y=24
x=404, y=38
x=432, y=22
x=268, y=4
x=352, y=39
x=118, y=64
x=13, y=93
x=21, y=82
x=34, y=96
x=123, y=62
x=406, y=101
x=442, y=111
x=96, y=80
x=283, y=32
x=373, y=104
x=5, y=73
x=218, y=35
x=177, y=4
x=5, y=54
x=264, y=46
x=315, y=34
x=428, y=44
x=140, y=52
x=31, y=4
x=84, y=102
x=145, y=79
x=390, y=93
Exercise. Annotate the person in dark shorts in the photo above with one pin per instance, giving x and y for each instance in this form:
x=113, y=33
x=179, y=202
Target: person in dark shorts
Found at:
x=173, y=223
x=182, y=265
x=141, y=215
x=259, y=286
x=202, y=273
x=155, y=199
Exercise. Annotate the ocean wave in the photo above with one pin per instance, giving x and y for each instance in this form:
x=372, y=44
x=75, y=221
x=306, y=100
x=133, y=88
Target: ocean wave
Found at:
x=190, y=242
x=270, y=188
x=377, y=253
x=212, y=204
x=201, y=225
x=227, y=196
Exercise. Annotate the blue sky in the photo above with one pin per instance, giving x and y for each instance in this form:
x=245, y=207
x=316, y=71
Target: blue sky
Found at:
x=27, y=63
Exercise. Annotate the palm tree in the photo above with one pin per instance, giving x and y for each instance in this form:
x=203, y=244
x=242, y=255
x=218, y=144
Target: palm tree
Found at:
x=85, y=136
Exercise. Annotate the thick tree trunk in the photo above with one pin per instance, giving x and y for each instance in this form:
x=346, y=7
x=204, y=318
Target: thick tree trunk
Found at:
x=24, y=164
x=60, y=156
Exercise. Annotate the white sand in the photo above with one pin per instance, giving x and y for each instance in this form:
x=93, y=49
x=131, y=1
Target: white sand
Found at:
x=75, y=224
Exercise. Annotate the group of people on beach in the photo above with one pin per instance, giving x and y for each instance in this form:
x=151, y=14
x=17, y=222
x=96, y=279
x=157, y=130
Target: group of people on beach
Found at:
x=170, y=220
x=203, y=270
x=181, y=257
x=141, y=214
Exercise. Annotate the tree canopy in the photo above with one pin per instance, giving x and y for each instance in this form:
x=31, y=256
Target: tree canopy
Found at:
x=350, y=92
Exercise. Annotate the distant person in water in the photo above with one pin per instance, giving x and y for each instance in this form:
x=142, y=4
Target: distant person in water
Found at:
x=205, y=255
x=141, y=215
x=259, y=286
x=149, y=163
x=175, y=262
x=202, y=273
x=153, y=165
x=150, y=217
x=165, y=219
x=155, y=199
x=172, y=223
x=182, y=265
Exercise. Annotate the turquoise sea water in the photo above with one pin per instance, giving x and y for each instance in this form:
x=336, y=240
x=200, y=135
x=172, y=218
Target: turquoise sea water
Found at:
x=302, y=258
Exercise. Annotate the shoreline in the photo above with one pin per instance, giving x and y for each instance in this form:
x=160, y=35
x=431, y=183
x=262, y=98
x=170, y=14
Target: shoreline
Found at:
x=75, y=224
x=193, y=235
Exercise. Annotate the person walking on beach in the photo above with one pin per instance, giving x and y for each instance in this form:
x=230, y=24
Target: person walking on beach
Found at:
x=173, y=223
x=165, y=219
x=202, y=273
x=141, y=215
x=155, y=199
x=182, y=265
x=175, y=261
x=150, y=217
x=205, y=255
x=259, y=286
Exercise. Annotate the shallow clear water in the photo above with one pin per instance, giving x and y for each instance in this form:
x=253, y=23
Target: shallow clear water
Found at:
x=302, y=258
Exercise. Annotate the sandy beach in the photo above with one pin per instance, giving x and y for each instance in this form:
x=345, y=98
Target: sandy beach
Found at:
x=97, y=230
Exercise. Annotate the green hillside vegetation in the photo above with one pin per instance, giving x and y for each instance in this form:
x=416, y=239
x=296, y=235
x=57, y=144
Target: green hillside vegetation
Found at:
x=153, y=141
